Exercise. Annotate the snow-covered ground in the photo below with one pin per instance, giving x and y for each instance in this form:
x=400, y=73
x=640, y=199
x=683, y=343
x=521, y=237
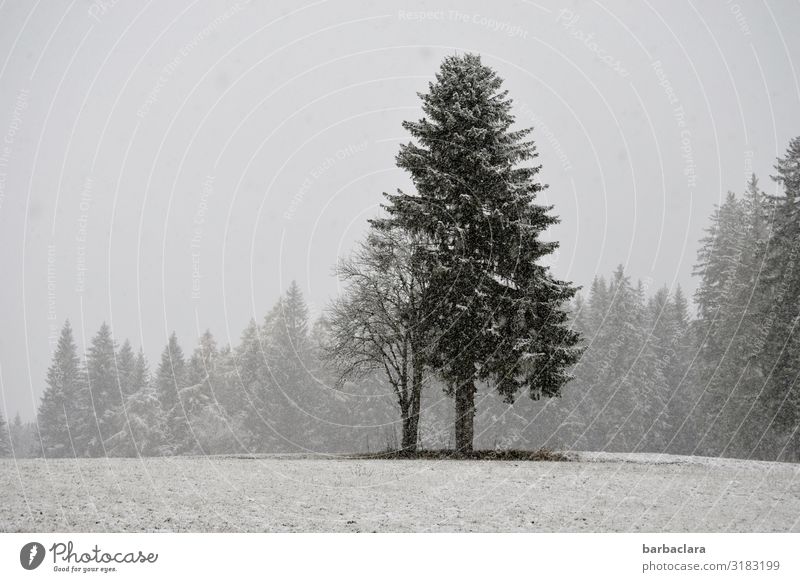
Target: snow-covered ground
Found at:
x=597, y=492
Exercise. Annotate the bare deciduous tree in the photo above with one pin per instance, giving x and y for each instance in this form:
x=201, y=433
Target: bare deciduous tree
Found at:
x=378, y=323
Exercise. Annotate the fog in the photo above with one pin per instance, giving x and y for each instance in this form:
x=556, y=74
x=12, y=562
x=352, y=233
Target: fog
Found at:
x=175, y=166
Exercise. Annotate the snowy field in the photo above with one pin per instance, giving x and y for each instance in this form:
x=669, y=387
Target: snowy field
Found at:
x=597, y=492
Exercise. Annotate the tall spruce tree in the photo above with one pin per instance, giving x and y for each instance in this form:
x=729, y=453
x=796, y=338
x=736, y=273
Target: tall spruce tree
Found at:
x=251, y=392
x=226, y=393
x=502, y=316
x=202, y=364
x=292, y=390
x=126, y=369
x=286, y=334
x=679, y=375
x=134, y=381
x=170, y=380
x=5, y=437
x=660, y=314
x=140, y=378
x=717, y=261
x=719, y=267
x=61, y=416
x=585, y=402
x=294, y=319
x=23, y=438
x=19, y=437
x=649, y=379
x=682, y=340
x=201, y=375
x=731, y=314
x=780, y=356
x=615, y=417
x=105, y=390
x=743, y=416
x=197, y=397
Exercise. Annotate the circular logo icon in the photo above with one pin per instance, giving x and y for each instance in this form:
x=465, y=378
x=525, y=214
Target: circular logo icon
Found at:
x=31, y=555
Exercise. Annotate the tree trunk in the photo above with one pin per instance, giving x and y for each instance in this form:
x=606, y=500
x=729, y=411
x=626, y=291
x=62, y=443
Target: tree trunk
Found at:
x=409, y=440
x=413, y=420
x=411, y=426
x=465, y=416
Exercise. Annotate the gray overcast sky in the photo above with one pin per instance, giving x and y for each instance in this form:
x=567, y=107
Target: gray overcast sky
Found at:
x=173, y=166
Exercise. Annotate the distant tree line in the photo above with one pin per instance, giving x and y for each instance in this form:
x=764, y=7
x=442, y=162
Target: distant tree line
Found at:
x=653, y=377
x=266, y=394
